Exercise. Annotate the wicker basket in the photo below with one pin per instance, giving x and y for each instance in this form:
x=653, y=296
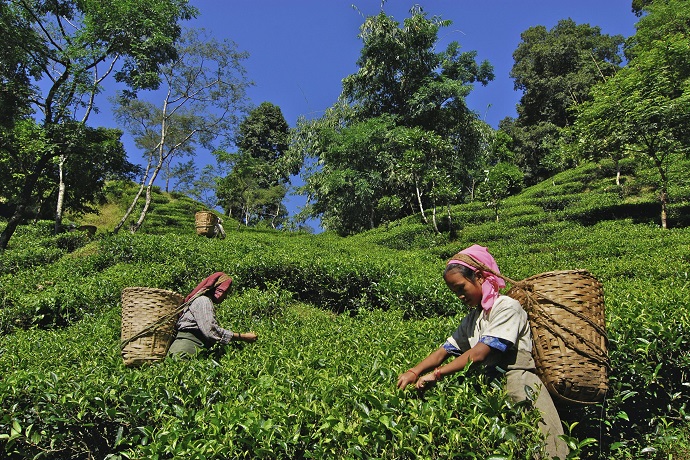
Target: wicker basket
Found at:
x=205, y=222
x=566, y=314
x=148, y=323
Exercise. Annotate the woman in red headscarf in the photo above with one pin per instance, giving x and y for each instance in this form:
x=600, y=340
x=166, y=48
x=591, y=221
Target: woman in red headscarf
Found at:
x=496, y=333
x=197, y=327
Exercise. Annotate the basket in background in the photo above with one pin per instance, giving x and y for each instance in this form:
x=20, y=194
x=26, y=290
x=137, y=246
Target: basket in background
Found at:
x=205, y=222
x=566, y=315
x=148, y=323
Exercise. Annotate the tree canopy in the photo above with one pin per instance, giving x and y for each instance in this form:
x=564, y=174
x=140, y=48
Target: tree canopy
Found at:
x=645, y=108
x=70, y=47
x=401, y=138
x=555, y=70
x=254, y=190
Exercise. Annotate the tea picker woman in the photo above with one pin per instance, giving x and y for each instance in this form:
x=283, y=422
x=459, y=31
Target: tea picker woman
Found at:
x=496, y=333
x=197, y=328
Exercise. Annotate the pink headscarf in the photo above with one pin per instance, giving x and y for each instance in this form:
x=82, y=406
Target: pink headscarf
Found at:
x=218, y=283
x=492, y=283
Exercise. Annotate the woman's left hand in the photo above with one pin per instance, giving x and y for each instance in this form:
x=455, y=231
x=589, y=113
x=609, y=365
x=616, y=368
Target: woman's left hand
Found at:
x=425, y=381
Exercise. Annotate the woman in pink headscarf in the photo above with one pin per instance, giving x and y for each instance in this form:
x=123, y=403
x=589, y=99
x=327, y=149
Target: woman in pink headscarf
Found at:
x=495, y=335
x=197, y=327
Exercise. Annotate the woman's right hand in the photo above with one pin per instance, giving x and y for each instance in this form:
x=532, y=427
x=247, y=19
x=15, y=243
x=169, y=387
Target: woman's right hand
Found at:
x=247, y=336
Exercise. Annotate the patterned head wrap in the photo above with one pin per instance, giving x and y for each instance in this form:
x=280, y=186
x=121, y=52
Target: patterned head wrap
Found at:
x=215, y=286
x=492, y=283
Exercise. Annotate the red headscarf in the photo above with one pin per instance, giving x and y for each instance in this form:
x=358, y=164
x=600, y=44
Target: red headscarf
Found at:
x=216, y=285
x=492, y=283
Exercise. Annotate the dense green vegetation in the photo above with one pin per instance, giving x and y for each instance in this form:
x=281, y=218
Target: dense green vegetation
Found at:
x=338, y=319
x=399, y=155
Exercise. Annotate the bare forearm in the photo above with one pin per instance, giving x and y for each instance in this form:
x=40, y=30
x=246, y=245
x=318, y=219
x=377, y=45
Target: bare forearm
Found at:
x=431, y=362
x=476, y=354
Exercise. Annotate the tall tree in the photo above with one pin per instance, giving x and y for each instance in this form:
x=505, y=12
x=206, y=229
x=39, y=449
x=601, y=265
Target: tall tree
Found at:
x=500, y=181
x=72, y=46
x=407, y=104
x=645, y=108
x=204, y=94
x=555, y=70
x=256, y=186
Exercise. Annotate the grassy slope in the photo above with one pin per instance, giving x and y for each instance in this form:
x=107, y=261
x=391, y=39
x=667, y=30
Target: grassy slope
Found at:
x=314, y=370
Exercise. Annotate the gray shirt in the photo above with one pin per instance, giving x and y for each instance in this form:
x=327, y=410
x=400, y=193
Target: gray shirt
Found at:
x=200, y=317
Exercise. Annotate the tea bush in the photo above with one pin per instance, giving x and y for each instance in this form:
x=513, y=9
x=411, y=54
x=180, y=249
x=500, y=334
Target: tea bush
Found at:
x=290, y=395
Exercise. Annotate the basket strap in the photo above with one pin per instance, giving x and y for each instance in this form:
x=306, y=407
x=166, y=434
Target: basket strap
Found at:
x=595, y=353
x=163, y=319
x=475, y=263
x=529, y=290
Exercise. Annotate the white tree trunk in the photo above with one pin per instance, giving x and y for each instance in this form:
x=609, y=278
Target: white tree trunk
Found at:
x=433, y=219
x=136, y=199
x=61, y=195
x=419, y=200
x=147, y=203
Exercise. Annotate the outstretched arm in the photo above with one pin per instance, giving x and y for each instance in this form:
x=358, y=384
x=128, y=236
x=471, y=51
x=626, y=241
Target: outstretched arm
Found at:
x=476, y=354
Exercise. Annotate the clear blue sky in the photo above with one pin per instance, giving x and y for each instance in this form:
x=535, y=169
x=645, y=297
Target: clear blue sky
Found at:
x=300, y=50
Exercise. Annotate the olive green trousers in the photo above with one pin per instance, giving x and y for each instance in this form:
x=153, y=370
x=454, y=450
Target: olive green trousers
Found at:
x=186, y=343
x=550, y=423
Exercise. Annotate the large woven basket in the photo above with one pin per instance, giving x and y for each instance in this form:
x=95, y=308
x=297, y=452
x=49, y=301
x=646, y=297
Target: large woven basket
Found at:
x=148, y=323
x=566, y=315
x=205, y=222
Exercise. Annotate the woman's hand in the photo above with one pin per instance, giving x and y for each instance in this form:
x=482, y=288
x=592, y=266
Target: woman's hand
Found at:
x=247, y=336
x=425, y=381
x=406, y=378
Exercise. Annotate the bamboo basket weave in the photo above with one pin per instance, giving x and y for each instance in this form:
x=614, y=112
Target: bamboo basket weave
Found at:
x=148, y=323
x=566, y=315
x=205, y=222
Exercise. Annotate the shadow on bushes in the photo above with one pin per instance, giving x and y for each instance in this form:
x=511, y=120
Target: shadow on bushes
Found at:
x=639, y=213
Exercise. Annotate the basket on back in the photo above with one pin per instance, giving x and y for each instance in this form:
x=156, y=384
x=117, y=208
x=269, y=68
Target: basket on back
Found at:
x=148, y=323
x=566, y=315
x=205, y=222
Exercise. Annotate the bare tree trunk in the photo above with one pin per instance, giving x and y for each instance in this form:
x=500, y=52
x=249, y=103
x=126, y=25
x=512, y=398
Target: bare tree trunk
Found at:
x=136, y=199
x=471, y=189
x=663, y=192
x=62, y=186
x=23, y=201
x=275, y=216
x=147, y=203
x=419, y=201
x=451, y=230
x=61, y=195
x=664, y=209
x=433, y=219
x=433, y=212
